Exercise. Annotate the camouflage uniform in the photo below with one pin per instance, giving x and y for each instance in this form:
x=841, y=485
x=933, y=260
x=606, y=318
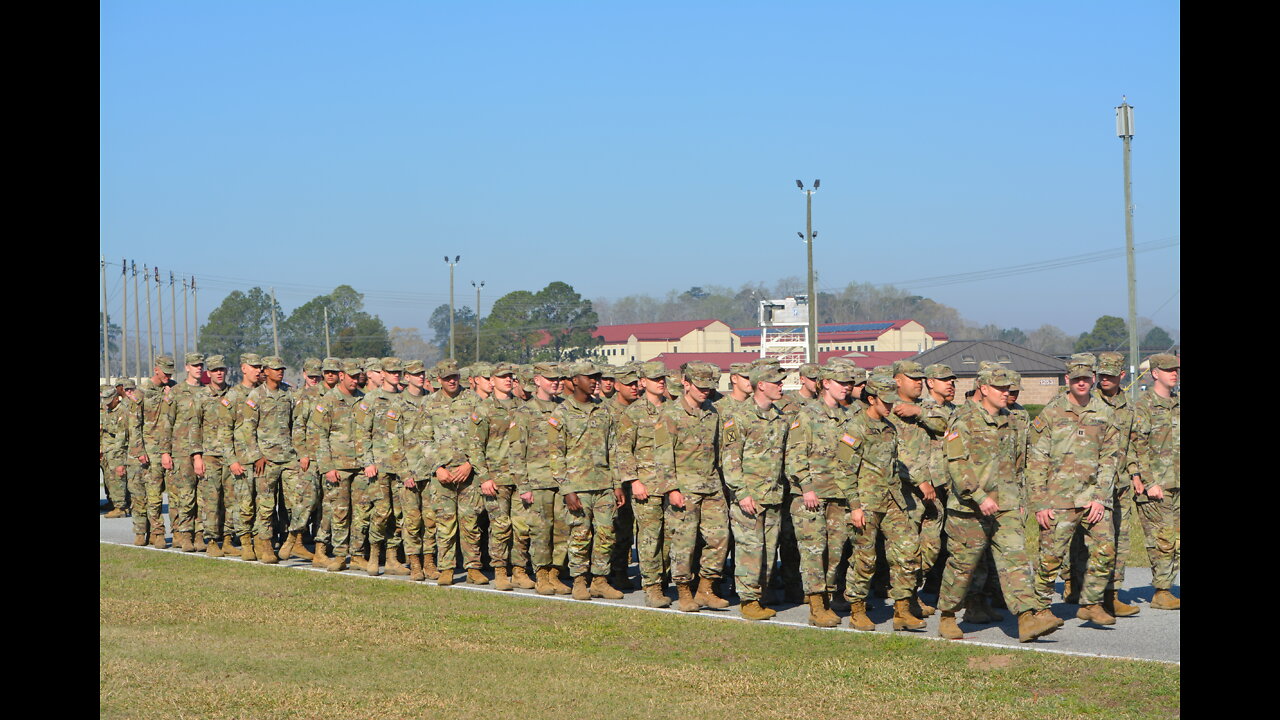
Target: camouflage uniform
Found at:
x=217, y=496
x=1158, y=451
x=305, y=499
x=1071, y=463
x=634, y=448
x=187, y=400
x=531, y=443
x=245, y=486
x=812, y=466
x=754, y=444
x=935, y=417
x=381, y=442
x=457, y=505
x=333, y=419
x=135, y=471
x=157, y=431
x=266, y=431
x=504, y=510
x=580, y=463
x=114, y=438
x=624, y=517
x=418, y=523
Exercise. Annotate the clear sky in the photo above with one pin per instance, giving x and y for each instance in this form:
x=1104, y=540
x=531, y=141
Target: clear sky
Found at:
x=641, y=147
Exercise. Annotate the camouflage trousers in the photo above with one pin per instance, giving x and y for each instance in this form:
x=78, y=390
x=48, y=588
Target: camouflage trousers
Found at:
x=705, y=514
x=1122, y=518
x=651, y=548
x=116, y=486
x=788, y=550
x=591, y=533
x=216, y=494
x=324, y=525
x=1054, y=543
x=396, y=520
x=303, y=499
x=902, y=550
x=547, y=546
x=154, y=474
x=273, y=477
x=821, y=535
x=930, y=520
x=136, y=480
x=338, y=497
x=969, y=535
x=418, y=519
x=755, y=540
x=245, y=492
x=623, y=533
x=363, y=491
x=457, y=507
x=182, y=494
x=1162, y=525
x=372, y=508
x=506, y=514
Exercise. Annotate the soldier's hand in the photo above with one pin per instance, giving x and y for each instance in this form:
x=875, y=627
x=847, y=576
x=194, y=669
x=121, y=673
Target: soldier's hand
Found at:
x=619, y=498
x=858, y=518
x=444, y=476
x=143, y=459
x=488, y=488
x=119, y=471
x=675, y=497
x=811, y=501
x=571, y=501
x=462, y=472
x=166, y=461
x=1138, y=487
x=371, y=471
x=197, y=464
x=748, y=506
x=332, y=476
x=259, y=465
x=1096, y=511
x=988, y=506
x=237, y=469
x=527, y=498
x=926, y=489
x=1045, y=519
x=1155, y=492
x=639, y=491
x=906, y=410
x=409, y=482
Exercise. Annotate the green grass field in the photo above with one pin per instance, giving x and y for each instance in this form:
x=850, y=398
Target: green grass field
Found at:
x=184, y=637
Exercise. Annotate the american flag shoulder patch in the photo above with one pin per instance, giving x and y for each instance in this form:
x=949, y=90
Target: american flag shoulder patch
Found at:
x=475, y=418
x=1039, y=424
x=251, y=403
x=364, y=407
x=513, y=424
x=848, y=439
x=795, y=425
x=225, y=402
x=392, y=414
x=728, y=423
x=554, y=422
x=320, y=408
x=952, y=435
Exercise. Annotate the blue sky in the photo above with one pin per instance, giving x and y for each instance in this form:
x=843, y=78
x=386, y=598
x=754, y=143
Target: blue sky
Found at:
x=642, y=147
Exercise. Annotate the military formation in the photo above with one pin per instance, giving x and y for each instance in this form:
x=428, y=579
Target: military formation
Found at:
x=556, y=476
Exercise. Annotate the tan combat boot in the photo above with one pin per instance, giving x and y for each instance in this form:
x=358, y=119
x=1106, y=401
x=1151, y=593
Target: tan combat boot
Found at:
x=947, y=626
x=475, y=577
x=320, y=559
x=706, y=595
x=371, y=565
x=415, y=568
x=393, y=564
x=520, y=578
x=115, y=513
x=902, y=617
x=1165, y=600
x=1046, y=615
x=831, y=614
x=543, y=585
x=299, y=549
x=556, y=584
x=183, y=541
x=212, y=548
x=1032, y=625
x=919, y=608
x=429, y=568
x=445, y=577
x=655, y=598
x=1112, y=603
x=500, y=579
x=1095, y=614
x=157, y=539
x=753, y=610
x=1070, y=593
x=580, y=589
x=139, y=540
x=686, y=602
x=286, y=547
x=246, y=548
x=341, y=561
x=819, y=615
x=602, y=589
x=199, y=541
x=858, y=619
x=265, y=554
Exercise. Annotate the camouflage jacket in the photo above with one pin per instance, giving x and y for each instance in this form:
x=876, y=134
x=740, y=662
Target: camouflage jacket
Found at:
x=935, y=419
x=266, y=425
x=1120, y=412
x=115, y=433
x=217, y=417
x=236, y=395
x=1158, y=446
x=453, y=424
x=531, y=442
x=753, y=452
x=793, y=401
x=304, y=401
x=380, y=439
x=157, y=421
x=187, y=400
x=687, y=449
x=914, y=449
x=135, y=443
x=1072, y=456
x=633, y=445
x=811, y=462
x=418, y=454
x=1020, y=419
x=580, y=458
x=867, y=451
x=334, y=421
x=492, y=438
x=981, y=451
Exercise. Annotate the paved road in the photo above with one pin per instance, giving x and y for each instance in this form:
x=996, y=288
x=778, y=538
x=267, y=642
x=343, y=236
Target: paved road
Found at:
x=1150, y=635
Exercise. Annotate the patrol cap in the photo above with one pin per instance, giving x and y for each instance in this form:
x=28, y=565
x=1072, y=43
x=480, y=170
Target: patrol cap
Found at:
x=739, y=369
x=251, y=359
x=758, y=362
x=351, y=368
x=938, y=371
x=1015, y=378
x=482, y=369
x=194, y=358
x=998, y=377
x=215, y=362
x=130, y=384
x=702, y=375
x=840, y=372
x=582, y=367
x=331, y=364
x=392, y=364
x=653, y=370
x=882, y=370
x=811, y=371
x=548, y=370
x=108, y=392
x=767, y=373
x=275, y=362
x=446, y=367
x=1081, y=365
x=884, y=387
x=413, y=367
x=1110, y=363
x=503, y=368
x=910, y=368
x=165, y=363
x=607, y=371
x=1165, y=361
x=310, y=367
x=626, y=374
x=371, y=363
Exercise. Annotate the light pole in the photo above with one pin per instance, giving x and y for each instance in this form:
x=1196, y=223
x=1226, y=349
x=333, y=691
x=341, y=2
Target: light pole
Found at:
x=477, y=287
x=808, y=239
x=1124, y=129
x=456, y=260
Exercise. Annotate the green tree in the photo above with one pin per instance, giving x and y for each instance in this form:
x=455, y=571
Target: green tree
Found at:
x=464, y=332
x=1157, y=338
x=352, y=331
x=113, y=338
x=241, y=324
x=1109, y=333
x=570, y=320
x=509, y=333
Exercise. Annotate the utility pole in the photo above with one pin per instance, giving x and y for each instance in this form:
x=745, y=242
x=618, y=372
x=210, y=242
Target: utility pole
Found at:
x=808, y=239
x=186, y=325
x=327, y=351
x=1124, y=129
x=137, y=324
x=456, y=259
x=106, y=336
x=195, y=316
x=477, y=287
x=160, y=308
x=124, y=327
x=275, y=336
x=173, y=314
x=151, y=340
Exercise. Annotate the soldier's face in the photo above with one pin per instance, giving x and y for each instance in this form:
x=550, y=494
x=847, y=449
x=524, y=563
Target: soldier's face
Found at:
x=606, y=386
x=839, y=391
x=502, y=383
x=415, y=379
x=483, y=384
x=1013, y=395
x=252, y=373
x=997, y=396
x=449, y=383
x=311, y=380
x=1080, y=386
x=629, y=391
x=161, y=377
x=330, y=377
x=132, y=394
x=771, y=390
x=348, y=382
x=275, y=375
x=193, y=372
x=809, y=384
x=374, y=377
x=391, y=378
x=696, y=394
x=586, y=384
x=654, y=386
x=908, y=387
x=741, y=383
x=1109, y=383
x=944, y=387
x=1168, y=378
x=218, y=376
